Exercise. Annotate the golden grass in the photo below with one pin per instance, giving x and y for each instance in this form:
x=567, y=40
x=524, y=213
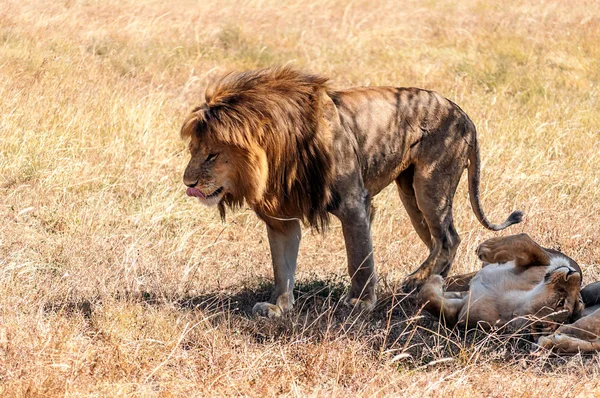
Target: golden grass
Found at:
x=114, y=283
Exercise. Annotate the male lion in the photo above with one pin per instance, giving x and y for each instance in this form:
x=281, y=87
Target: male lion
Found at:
x=296, y=150
x=520, y=282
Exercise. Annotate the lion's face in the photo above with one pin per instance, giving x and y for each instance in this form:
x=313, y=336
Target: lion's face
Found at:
x=219, y=170
x=210, y=174
x=557, y=298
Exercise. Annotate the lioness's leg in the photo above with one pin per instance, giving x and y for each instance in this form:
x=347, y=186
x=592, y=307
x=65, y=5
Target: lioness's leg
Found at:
x=581, y=336
x=356, y=227
x=459, y=283
x=284, y=241
x=446, y=306
x=566, y=344
x=591, y=294
x=518, y=248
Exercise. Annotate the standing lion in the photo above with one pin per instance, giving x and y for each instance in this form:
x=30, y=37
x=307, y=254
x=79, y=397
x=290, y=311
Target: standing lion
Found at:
x=296, y=150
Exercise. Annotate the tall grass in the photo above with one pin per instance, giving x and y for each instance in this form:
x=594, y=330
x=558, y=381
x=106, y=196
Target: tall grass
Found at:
x=112, y=282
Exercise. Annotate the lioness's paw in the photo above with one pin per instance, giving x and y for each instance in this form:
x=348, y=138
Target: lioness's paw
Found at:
x=544, y=342
x=267, y=310
x=431, y=289
x=436, y=279
x=494, y=251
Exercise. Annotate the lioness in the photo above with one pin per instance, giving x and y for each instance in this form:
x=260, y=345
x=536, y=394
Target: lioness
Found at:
x=520, y=281
x=296, y=150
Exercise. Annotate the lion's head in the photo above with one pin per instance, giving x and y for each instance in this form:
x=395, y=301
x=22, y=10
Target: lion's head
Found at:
x=556, y=299
x=261, y=137
x=219, y=170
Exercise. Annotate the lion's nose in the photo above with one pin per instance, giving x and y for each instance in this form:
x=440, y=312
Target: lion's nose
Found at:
x=190, y=183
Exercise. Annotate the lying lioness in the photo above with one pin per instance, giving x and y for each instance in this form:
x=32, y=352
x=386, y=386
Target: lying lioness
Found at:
x=520, y=284
x=584, y=334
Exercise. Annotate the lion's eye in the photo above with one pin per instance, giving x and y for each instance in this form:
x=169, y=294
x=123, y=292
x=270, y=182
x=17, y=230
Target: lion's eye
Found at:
x=561, y=302
x=212, y=156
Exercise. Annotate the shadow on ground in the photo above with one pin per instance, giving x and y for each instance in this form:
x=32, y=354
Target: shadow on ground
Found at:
x=396, y=328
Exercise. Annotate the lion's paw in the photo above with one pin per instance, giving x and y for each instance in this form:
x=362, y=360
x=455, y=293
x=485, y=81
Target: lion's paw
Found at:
x=267, y=310
x=362, y=304
x=413, y=283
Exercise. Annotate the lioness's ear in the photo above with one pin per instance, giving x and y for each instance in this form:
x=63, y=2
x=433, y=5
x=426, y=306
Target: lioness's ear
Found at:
x=573, y=278
x=569, y=279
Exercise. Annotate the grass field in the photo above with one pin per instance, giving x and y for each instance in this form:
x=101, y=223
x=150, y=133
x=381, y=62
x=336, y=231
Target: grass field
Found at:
x=114, y=283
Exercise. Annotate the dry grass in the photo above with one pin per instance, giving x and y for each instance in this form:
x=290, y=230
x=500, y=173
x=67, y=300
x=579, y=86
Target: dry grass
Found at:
x=112, y=282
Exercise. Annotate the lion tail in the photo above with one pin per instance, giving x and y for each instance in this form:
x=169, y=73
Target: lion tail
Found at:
x=474, y=179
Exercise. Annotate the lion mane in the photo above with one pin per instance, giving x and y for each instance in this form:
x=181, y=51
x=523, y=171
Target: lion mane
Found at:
x=273, y=120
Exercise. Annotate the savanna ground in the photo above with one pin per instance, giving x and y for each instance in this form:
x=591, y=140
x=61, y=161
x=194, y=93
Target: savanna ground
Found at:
x=113, y=282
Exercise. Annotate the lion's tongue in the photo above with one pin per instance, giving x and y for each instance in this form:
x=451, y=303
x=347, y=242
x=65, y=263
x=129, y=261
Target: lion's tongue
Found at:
x=195, y=193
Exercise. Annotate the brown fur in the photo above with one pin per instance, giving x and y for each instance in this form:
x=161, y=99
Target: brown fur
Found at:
x=279, y=111
x=294, y=149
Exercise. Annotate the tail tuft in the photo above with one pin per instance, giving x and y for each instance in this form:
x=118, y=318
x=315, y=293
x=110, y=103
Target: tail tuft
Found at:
x=514, y=218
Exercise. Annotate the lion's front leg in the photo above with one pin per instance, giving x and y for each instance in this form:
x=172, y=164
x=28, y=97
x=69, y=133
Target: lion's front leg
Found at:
x=356, y=227
x=284, y=241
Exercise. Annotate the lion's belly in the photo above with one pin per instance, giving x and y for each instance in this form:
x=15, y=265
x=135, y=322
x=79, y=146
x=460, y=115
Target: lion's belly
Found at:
x=496, y=291
x=383, y=155
x=498, y=278
x=382, y=172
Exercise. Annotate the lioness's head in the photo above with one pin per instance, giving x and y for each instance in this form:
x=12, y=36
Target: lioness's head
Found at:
x=219, y=167
x=556, y=299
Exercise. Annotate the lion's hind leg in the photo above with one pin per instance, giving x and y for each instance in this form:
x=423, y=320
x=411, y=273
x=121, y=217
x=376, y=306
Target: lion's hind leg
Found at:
x=520, y=248
x=446, y=306
x=434, y=194
x=406, y=191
